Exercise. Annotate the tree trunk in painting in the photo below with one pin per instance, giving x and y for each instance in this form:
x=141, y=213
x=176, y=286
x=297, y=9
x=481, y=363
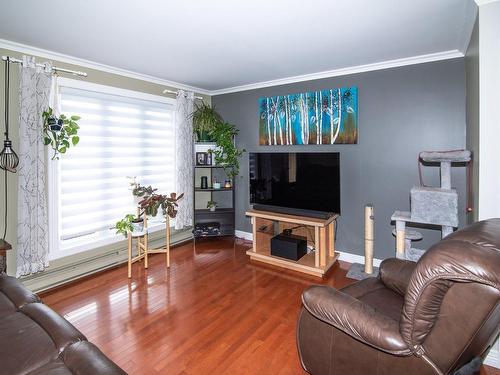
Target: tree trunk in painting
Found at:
x=273, y=111
x=339, y=112
x=303, y=116
x=278, y=112
x=320, y=104
x=316, y=112
x=331, y=117
x=268, y=122
x=287, y=119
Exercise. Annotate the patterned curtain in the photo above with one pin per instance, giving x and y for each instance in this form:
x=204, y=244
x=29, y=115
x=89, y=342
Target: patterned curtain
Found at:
x=184, y=157
x=32, y=227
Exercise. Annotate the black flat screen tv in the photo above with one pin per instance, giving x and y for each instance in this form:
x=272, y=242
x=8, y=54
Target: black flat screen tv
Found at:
x=296, y=183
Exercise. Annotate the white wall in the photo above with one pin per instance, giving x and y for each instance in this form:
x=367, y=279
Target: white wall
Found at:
x=489, y=116
x=489, y=123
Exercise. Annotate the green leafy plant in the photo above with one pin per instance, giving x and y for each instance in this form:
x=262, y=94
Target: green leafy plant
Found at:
x=150, y=204
x=211, y=204
x=60, y=133
x=226, y=154
x=124, y=226
x=205, y=117
x=151, y=201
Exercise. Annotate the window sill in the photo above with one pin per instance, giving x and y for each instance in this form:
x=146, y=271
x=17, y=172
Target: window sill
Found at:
x=100, y=240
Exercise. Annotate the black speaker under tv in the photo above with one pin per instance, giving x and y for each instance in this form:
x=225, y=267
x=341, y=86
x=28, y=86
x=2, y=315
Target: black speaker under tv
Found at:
x=301, y=183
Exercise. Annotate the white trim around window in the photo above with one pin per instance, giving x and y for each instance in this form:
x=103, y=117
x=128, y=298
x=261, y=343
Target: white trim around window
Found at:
x=56, y=220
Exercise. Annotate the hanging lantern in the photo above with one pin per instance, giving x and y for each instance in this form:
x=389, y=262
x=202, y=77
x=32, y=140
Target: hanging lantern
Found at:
x=8, y=158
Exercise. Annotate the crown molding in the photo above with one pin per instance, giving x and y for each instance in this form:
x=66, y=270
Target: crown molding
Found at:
x=51, y=55
x=452, y=54
x=484, y=2
x=471, y=10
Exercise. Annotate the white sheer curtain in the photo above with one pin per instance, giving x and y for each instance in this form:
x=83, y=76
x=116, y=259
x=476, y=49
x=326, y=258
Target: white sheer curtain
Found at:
x=32, y=227
x=184, y=157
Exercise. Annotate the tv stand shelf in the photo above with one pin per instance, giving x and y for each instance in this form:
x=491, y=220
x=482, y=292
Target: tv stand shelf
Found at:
x=319, y=232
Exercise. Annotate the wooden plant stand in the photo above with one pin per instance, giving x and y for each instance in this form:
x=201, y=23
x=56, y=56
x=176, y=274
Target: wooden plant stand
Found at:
x=142, y=245
x=320, y=232
x=165, y=249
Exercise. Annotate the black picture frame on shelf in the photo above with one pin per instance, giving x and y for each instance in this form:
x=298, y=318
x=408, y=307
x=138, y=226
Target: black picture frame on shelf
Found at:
x=209, y=158
x=201, y=158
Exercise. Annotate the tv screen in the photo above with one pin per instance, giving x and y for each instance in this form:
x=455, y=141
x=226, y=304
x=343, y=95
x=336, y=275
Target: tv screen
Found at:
x=303, y=181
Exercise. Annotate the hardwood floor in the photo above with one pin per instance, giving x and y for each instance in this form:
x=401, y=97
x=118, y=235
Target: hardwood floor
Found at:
x=213, y=312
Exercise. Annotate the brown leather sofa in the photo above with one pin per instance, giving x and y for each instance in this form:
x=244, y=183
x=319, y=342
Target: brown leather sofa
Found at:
x=35, y=340
x=430, y=317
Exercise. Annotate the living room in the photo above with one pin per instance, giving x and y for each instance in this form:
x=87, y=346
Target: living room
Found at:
x=250, y=188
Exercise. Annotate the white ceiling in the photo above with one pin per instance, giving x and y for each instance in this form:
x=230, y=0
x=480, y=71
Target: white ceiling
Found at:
x=219, y=44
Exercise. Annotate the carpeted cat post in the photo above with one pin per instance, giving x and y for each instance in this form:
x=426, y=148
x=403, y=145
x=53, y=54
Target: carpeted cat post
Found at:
x=359, y=271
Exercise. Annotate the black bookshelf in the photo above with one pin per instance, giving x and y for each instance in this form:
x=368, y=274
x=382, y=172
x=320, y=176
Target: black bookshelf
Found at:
x=225, y=214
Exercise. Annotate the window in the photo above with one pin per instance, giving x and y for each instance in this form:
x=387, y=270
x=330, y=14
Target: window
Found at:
x=122, y=133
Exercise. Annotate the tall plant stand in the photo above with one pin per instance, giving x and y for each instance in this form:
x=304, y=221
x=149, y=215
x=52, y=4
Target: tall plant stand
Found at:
x=165, y=249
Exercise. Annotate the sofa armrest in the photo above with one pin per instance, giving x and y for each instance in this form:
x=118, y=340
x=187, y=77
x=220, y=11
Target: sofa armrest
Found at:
x=355, y=318
x=84, y=358
x=395, y=274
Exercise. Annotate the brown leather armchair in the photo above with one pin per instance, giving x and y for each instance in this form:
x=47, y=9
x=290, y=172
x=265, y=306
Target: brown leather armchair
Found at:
x=430, y=317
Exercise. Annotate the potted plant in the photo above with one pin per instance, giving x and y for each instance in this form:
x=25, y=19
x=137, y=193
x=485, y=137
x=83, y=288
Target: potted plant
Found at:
x=211, y=205
x=205, y=117
x=60, y=133
x=129, y=224
x=226, y=154
x=151, y=201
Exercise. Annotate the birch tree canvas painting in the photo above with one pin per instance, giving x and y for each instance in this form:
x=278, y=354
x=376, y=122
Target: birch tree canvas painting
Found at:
x=321, y=117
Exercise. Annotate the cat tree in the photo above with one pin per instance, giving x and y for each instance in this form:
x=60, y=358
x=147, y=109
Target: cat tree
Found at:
x=429, y=205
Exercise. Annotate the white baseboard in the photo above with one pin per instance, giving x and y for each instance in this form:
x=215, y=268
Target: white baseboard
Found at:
x=74, y=269
x=493, y=358
x=343, y=255
x=243, y=235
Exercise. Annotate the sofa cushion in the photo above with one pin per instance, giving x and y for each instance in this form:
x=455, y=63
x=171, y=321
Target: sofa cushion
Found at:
x=24, y=345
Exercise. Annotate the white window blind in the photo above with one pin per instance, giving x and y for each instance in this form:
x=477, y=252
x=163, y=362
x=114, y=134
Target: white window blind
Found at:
x=120, y=136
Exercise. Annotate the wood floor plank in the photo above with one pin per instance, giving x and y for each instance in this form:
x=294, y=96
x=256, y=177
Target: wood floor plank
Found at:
x=212, y=312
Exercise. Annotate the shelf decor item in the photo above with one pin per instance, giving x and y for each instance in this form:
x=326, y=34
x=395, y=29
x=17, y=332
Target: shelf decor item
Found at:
x=321, y=117
x=211, y=205
x=216, y=184
x=201, y=158
x=204, y=182
x=205, y=117
x=227, y=184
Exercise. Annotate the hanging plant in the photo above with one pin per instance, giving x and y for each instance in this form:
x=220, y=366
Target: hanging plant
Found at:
x=226, y=154
x=205, y=118
x=60, y=133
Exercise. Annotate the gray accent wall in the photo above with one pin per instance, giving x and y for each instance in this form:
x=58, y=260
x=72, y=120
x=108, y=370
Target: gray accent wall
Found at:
x=401, y=111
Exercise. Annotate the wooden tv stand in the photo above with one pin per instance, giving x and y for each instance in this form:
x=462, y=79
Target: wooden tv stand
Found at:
x=319, y=232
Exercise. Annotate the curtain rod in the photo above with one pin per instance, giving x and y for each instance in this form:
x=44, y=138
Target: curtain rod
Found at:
x=55, y=69
x=167, y=91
